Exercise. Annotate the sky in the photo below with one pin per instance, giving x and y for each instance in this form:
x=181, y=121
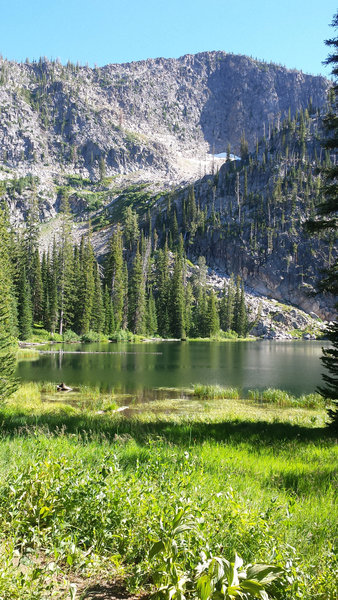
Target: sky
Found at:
x=98, y=32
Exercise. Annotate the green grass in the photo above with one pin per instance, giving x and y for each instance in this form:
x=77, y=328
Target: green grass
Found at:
x=283, y=398
x=224, y=337
x=41, y=335
x=83, y=495
x=215, y=391
x=27, y=353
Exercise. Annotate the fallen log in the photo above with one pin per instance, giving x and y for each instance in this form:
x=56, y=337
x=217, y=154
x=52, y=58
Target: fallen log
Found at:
x=63, y=388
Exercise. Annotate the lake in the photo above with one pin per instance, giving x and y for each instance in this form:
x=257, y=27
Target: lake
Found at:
x=131, y=368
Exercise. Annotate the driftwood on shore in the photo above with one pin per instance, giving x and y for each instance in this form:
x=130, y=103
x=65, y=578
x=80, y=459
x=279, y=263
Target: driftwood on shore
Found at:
x=63, y=388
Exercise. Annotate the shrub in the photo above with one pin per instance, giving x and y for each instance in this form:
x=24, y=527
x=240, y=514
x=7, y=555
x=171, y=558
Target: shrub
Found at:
x=71, y=336
x=93, y=336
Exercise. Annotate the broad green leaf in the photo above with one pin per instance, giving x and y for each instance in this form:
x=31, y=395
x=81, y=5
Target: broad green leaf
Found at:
x=174, y=548
x=238, y=562
x=217, y=568
x=177, y=518
x=234, y=591
x=182, y=528
x=263, y=573
x=156, y=549
x=204, y=587
x=254, y=587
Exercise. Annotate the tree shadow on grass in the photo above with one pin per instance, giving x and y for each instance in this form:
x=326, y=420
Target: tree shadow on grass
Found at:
x=105, y=591
x=183, y=433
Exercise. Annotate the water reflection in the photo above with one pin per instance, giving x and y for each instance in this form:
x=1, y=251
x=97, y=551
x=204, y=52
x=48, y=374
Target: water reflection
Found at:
x=293, y=366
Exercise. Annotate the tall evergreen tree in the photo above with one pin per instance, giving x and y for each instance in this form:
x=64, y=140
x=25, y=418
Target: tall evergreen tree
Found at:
x=177, y=300
x=87, y=285
x=151, y=318
x=114, y=275
x=136, y=297
x=8, y=383
x=31, y=237
x=65, y=275
x=229, y=316
x=242, y=317
x=327, y=222
x=25, y=319
x=98, y=314
x=188, y=305
x=213, y=319
x=109, y=324
x=162, y=284
x=130, y=227
x=37, y=288
x=201, y=313
x=223, y=308
x=125, y=279
x=237, y=302
x=77, y=285
x=53, y=302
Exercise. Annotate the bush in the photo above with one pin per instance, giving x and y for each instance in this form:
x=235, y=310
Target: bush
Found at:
x=71, y=336
x=122, y=335
x=55, y=337
x=228, y=335
x=93, y=336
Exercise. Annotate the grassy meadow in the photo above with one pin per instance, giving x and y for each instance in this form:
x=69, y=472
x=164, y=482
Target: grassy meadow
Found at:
x=95, y=497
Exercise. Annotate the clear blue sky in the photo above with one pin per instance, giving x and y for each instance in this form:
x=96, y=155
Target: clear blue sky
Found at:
x=290, y=32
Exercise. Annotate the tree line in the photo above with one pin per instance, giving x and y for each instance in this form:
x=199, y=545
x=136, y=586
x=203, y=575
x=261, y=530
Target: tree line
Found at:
x=141, y=287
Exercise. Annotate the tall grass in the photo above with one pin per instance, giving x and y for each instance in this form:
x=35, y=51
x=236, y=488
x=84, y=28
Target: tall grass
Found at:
x=215, y=391
x=283, y=398
x=87, y=494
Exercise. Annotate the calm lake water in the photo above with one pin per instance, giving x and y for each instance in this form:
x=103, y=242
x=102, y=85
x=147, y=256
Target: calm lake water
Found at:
x=292, y=366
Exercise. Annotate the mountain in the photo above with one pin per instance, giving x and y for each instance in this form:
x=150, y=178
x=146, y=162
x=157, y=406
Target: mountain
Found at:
x=148, y=135
x=249, y=218
x=159, y=119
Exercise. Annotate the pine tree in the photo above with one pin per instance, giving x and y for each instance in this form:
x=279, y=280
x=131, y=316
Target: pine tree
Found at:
x=114, y=275
x=125, y=279
x=177, y=300
x=242, y=317
x=327, y=221
x=31, y=236
x=223, y=309
x=229, y=315
x=65, y=274
x=191, y=206
x=109, y=324
x=151, y=320
x=45, y=296
x=136, y=297
x=98, y=314
x=213, y=319
x=237, y=301
x=53, y=303
x=24, y=307
x=37, y=288
x=87, y=285
x=162, y=284
x=244, y=147
x=8, y=383
x=130, y=229
x=188, y=315
x=77, y=285
x=201, y=313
